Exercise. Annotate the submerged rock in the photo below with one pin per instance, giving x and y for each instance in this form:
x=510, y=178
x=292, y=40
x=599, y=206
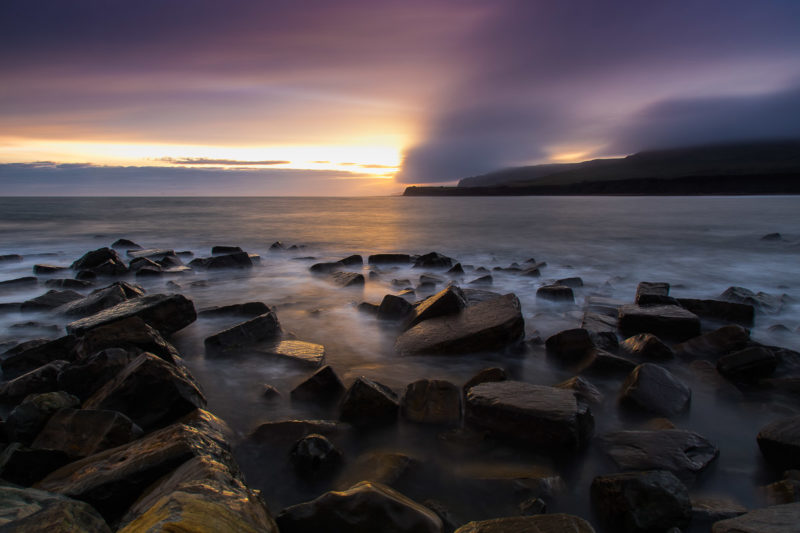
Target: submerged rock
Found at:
x=714, y=344
x=389, y=259
x=545, y=523
x=432, y=402
x=394, y=308
x=569, y=345
x=166, y=313
x=711, y=509
x=555, y=293
x=664, y=321
x=388, y=468
x=748, y=365
x=28, y=418
x=369, y=403
x=653, y=293
x=488, y=325
x=50, y=300
x=249, y=309
x=654, y=389
x=433, y=260
x=347, y=279
x=582, y=389
x=761, y=301
x=546, y=417
x=239, y=260
x=314, y=456
x=18, y=284
x=31, y=510
x=364, y=508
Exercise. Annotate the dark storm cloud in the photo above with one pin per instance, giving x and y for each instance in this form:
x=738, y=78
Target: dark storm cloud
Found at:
x=558, y=73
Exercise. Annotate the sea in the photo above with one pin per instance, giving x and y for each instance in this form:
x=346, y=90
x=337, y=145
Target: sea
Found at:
x=699, y=245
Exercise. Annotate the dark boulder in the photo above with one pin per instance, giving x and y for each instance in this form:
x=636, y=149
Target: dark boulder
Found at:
x=779, y=442
x=714, y=344
x=103, y=261
x=47, y=270
x=646, y=346
x=603, y=363
x=84, y=377
x=641, y=501
x=771, y=237
x=34, y=354
x=166, y=313
x=282, y=434
x=67, y=283
x=489, y=325
x=665, y=321
x=364, y=508
x=654, y=389
x=569, y=345
x=738, y=313
x=483, y=280
x=748, y=365
x=101, y=299
x=325, y=268
x=125, y=244
x=224, y=250
x=235, y=260
x=775, y=519
x=131, y=334
x=546, y=417
x=432, y=401
x=367, y=308
x=394, y=308
x=449, y=301
x=50, y=300
x=653, y=293
x=150, y=391
x=389, y=468
x=389, y=259
x=583, y=390
x=11, y=258
x=155, y=254
x=572, y=283
x=17, y=284
x=433, y=260
x=29, y=417
x=259, y=329
x=323, y=386
x=249, y=309
x=39, y=380
x=486, y=375
x=27, y=510
x=25, y=466
x=347, y=279
x=369, y=403
x=456, y=270
x=83, y=432
x=555, y=293
x=315, y=456
x=761, y=301
x=352, y=260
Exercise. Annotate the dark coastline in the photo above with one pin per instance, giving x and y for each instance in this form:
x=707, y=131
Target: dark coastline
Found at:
x=774, y=184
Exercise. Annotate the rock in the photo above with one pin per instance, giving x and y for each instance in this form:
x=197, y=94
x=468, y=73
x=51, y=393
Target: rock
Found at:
x=449, y=301
x=714, y=344
x=783, y=491
x=18, y=284
x=374, y=276
x=456, y=270
x=155, y=254
x=25, y=466
x=433, y=260
x=10, y=258
x=112, y=480
x=304, y=353
x=653, y=293
x=29, y=417
x=100, y=299
x=352, y=260
x=483, y=280
x=646, y=346
x=779, y=442
x=201, y=495
x=152, y=392
x=270, y=393
x=684, y=453
x=41, y=380
x=125, y=244
x=748, y=365
x=325, y=268
x=84, y=377
x=83, y=432
x=394, y=308
x=641, y=501
x=545, y=417
x=601, y=363
x=531, y=272
x=602, y=329
x=401, y=283
x=103, y=261
x=249, y=309
x=282, y=434
x=46, y=270
x=364, y=307
x=504, y=482
x=50, y=300
x=67, y=283
x=315, y=456
x=166, y=313
x=546, y=523
x=432, y=402
x=583, y=390
x=388, y=259
x=742, y=314
x=31, y=355
x=488, y=325
x=347, y=279
x=85, y=275
x=775, y=519
x=532, y=507
x=225, y=250
x=654, y=389
x=387, y=468
x=323, y=386
x=569, y=345
x=486, y=375
x=368, y=403
x=555, y=293
x=706, y=375
x=131, y=334
x=766, y=303
x=771, y=237
x=364, y=508
x=259, y=329
x=276, y=246
x=30, y=511
x=149, y=272
x=707, y=510
x=665, y=321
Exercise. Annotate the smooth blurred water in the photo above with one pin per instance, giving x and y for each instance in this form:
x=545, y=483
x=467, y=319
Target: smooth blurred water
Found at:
x=701, y=245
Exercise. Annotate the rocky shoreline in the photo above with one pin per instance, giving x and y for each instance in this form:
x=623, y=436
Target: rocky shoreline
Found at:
x=107, y=428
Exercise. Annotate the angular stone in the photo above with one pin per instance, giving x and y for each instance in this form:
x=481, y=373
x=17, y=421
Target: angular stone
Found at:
x=32, y=511
x=433, y=260
x=654, y=389
x=31, y=355
x=97, y=301
x=783, y=491
x=710, y=509
x=394, y=308
x=84, y=377
x=28, y=418
x=569, y=345
x=315, y=456
x=545, y=523
x=67, y=283
x=714, y=344
x=653, y=293
x=112, y=480
x=223, y=250
x=166, y=313
x=572, y=283
x=50, y=300
x=449, y=301
x=582, y=389
x=46, y=270
x=125, y=244
x=432, y=402
x=347, y=279
x=684, y=453
x=748, y=365
x=154, y=254
x=17, y=284
x=325, y=268
x=41, y=380
x=364, y=508
x=10, y=258
x=366, y=308
x=304, y=353
x=152, y=392
x=388, y=259
x=775, y=519
x=641, y=501
x=352, y=260
x=555, y=293
x=779, y=442
x=131, y=334
x=217, y=262
x=369, y=403
x=602, y=363
x=456, y=270
x=766, y=303
x=665, y=321
x=259, y=329
x=25, y=466
x=488, y=325
x=105, y=260
x=738, y=313
x=83, y=432
x=646, y=346
x=483, y=280
x=545, y=417
x=249, y=309
x=486, y=375
x=323, y=386
x=388, y=468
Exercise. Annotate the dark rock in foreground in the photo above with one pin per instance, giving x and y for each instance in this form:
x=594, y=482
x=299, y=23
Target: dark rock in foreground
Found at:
x=347, y=279
x=101, y=299
x=775, y=519
x=28, y=418
x=653, y=293
x=546, y=417
x=165, y=313
x=738, y=313
x=85, y=376
x=641, y=501
x=364, y=508
x=488, y=325
x=249, y=309
x=779, y=442
x=748, y=365
x=569, y=345
x=432, y=402
x=83, y=432
x=31, y=510
x=31, y=355
x=50, y=300
x=394, y=308
x=654, y=389
x=314, y=456
x=259, y=329
x=448, y=301
x=714, y=344
x=664, y=321
x=369, y=403
x=545, y=523
x=40, y=380
x=323, y=386
x=389, y=259
x=646, y=346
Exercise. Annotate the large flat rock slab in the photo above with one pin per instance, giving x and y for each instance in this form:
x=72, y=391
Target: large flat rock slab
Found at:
x=300, y=352
x=664, y=321
x=166, y=313
x=488, y=325
x=546, y=417
x=776, y=519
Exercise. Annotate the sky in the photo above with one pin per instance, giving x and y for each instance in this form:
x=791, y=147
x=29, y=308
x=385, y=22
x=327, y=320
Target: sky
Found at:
x=363, y=97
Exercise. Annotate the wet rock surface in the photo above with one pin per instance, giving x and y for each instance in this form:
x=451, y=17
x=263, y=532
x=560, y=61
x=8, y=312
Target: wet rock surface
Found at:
x=165, y=313
x=432, y=402
x=664, y=321
x=652, y=388
x=553, y=523
x=30, y=510
x=779, y=442
x=775, y=519
x=369, y=403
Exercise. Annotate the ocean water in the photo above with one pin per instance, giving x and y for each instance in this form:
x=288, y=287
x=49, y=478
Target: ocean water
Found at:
x=700, y=245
